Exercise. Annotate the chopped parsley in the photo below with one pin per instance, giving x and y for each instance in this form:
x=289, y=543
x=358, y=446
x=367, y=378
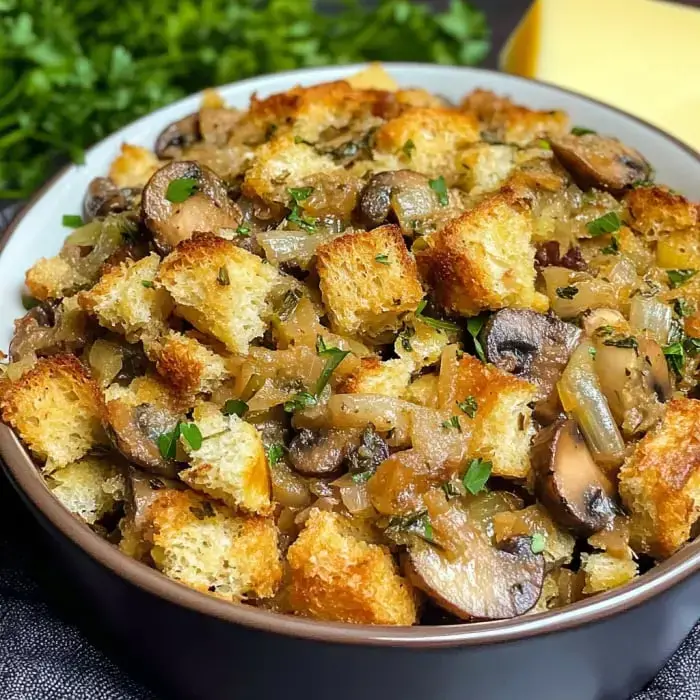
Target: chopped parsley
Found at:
x=299, y=402
x=416, y=523
x=434, y=322
x=476, y=476
x=608, y=223
x=304, y=222
x=333, y=357
x=191, y=434
x=243, y=230
x=167, y=442
x=235, y=407
x=383, y=259
x=678, y=277
x=468, y=406
x=72, y=220
x=582, y=131
x=148, y=284
x=567, y=292
x=537, y=543
x=675, y=357
x=408, y=148
x=592, y=352
x=29, y=302
x=613, y=248
x=474, y=326
x=180, y=189
x=452, y=423
x=543, y=143
x=440, y=188
x=683, y=308
x=275, y=453
x=223, y=278
x=626, y=342
x=299, y=194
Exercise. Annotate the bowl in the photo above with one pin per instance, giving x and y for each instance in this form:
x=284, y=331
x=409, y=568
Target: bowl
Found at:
x=192, y=645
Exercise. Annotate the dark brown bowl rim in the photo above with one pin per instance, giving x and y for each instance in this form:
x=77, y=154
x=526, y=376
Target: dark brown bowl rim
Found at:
x=28, y=479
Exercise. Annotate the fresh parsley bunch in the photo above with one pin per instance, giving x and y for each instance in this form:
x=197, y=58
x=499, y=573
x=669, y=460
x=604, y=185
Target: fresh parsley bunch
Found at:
x=72, y=71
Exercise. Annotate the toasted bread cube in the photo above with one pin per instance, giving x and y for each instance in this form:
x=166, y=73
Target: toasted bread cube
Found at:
x=231, y=464
x=558, y=544
x=502, y=426
x=603, y=571
x=373, y=376
x=188, y=365
x=509, y=123
x=655, y=211
x=660, y=481
x=126, y=300
x=423, y=391
x=484, y=258
x=421, y=344
x=437, y=135
x=206, y=546
x=150, y=389
x=230, y=311
x=337, y=576
x=487, y=166
x=89, y=488
x=368, y=281
x=374, y=77
x=49, y=278
x=283, y=163
x=133, y=167
x=56, y=408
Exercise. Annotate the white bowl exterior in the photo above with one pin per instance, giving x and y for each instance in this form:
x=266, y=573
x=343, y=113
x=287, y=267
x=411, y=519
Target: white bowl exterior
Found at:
x=40, y=233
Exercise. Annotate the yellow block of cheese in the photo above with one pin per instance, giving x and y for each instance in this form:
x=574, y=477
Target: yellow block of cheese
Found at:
x=642, y=56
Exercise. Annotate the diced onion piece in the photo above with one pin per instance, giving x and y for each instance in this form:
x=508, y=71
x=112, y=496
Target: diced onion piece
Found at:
x=449, y=374
x=440, y=436
x=355, y=497
x=288, y=489
x=651, y=316
x=582, y=397
x=572, y=293
x=85, y=235
x=292, y=246
x=105, y=361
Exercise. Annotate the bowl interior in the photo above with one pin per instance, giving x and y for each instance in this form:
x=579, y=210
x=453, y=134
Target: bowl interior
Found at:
x=39, y=233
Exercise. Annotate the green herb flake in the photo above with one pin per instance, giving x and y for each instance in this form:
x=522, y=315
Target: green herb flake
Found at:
x=235, y=407
x=304, y=222
x=692, y=346
x=683, y=308
x=29, y=302
x=417, y=523
x=275, y=453
x=678, y=277
x=408, y=148
x=625, y=342
x=362, y=477
x=468, y=406
x=243, y=230
x=675, y=357
x=299, y=402
x=544, y=144
x=582, y=131
x=440, y=188
x=435, y=322
x=180, y=189
x=148, y=284
x=608, y=223
x=477, y=475
x=333, y=357
x=222, y=277
x=382, y=259
x=537, y=543
x=191, y=435
x=567, y=292
x=592, y=352
x=72, y=221
x=474, y=326
x=453, y=422
x=613, y=248
x=167, y=442
x=299, y=194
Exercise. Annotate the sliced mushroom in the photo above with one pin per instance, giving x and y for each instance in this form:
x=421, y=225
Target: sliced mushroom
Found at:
x=207, y=209
x=600, y=161
x=134, y=431
x=178, y=136
x=369, y=454
x=533, y=346
x=321, y=453
x=403, y=196
x=482, y=582
x=142, y=489
x=103, y=197
x=578, y=495
x=656, y=371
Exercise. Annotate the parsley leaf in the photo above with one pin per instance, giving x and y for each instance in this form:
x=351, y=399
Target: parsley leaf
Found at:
x=608, y=223
x=567, y=292
x=468, y=406
x=148, y=284
x=383, y=259
x=180, y=189
x=72, y=220
x=453, y=422
x=416, y=523
x=235, y=407
x=333, y=356
x=408, y=148
x=537, y=543
x=191, y=435
x=683, y=308
x=613, y=248
x=299, y=402
x=477, y=475
x=678, y=277
x=29, y=302
x=440, y=188
x=299, y=194
x=167, y=442
x=243, y=230
x=675, y=357
x=544, y=144
x=275, y=453
x=304, y=222
x=474, y=326
x=582, y=131
x=434, y=322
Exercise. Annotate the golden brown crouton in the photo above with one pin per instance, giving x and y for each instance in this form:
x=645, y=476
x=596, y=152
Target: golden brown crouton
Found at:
x=368, y=281
x=660, y=481
x=188, y=365
x=206, y=546
x=484, y=258
x=90, y=488
x=219, y=288
x=133, y=167
x=421, y=344
x=487, y=166
x=150, y=389
x=49, y=278
x=56, y=408
x=655, y=211
x=336, y=576
x=230, y=464
x=374, y=77
x=502, y=426
x=505, y=121
x=283, y=163
x=604, y=571
x=127, y=301
x=423, y=391
x=373, y=376
x=436, y=136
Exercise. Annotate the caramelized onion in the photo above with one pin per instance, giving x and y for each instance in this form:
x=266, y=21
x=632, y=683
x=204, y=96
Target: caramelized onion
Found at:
x=651, y=316
x=296, y=247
